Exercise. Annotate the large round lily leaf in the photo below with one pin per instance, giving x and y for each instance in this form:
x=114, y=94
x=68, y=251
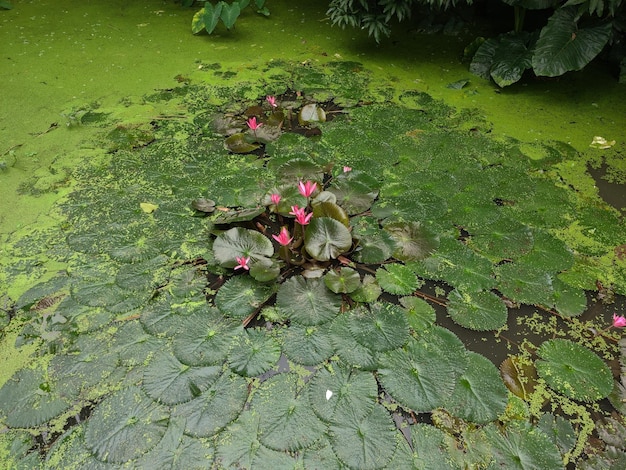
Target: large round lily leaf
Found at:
x=519, y=376
x=332, y=210
x=423, y=374
x=217, y=406
x=413, y=240
x=326, y=238
x=286, y=419
x=548, y=253
x=375, y=245
x=340, y=391
x=169, y=381
x=480, y=311
x=381, y=327
x=307, y=345
x=364, y=442
x=428, y=451
x=125, y=425
x=503, y=239
x=176, y=450
x=574, y=370
x=238, y=242
x=522, y=448
x=253, y=352
x=569, y=301
x=299, y=170
x=28, y=400
x=241, y=295
x=564, y=46
x=307, y=301
x=237, y=143
x=368, y=291
x=397, y=279
x=348, y=348
x=204, y=338
x=241, y=215
x=354, y=196
x=525, y=284
x=238, y=443
x=345, y=281
x=479, y=396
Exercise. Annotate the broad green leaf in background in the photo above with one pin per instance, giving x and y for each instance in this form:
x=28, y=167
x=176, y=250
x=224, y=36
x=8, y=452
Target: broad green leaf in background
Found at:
x=563, y=46
x=574, y=370
x=512, y=58
x=211, y=15
x=230, y=13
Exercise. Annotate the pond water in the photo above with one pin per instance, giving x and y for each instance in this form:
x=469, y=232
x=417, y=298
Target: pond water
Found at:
x=65, y=62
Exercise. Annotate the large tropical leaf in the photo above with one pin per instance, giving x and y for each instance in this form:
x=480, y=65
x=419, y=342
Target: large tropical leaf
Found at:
x=230, y=13
x=563, y=46
x=326, y=238
x=512, y=58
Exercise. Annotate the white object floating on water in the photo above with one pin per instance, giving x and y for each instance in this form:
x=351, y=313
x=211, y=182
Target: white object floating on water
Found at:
x=328, y=394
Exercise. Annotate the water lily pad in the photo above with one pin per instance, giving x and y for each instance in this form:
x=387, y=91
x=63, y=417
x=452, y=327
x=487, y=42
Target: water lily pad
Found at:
x=428, y=450
x=525, y=284
x=345, y=280
x=353, y=195
x=480, y=311
x=519, y=376
x=217, y=406
x=423, y=374
x=286, y=419
x=381, y=327
x=307, y=301
x=559, y=430
x=368, y=291
x=420, y=314
x=238, y=443
x=522, y=448
x=238, y=143
x=27, y=399
x=348, y=349
x=169, y=381
x=413, y=240
x=364, y=442
x=238, y=215
x=397, y=279
x=238, y=242
x=374, y=245
x=352, y=392
x=204, y=338
x=503, y=239
x=253, y=352
x=568, y=300
x=330, y=209
x=241, y=295
x=326, y=238
x=125, y=425
x=479, y=396
x=574, y=370
x=307, y=345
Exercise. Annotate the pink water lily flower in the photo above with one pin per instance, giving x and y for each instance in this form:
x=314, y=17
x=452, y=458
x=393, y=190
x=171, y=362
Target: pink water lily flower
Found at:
x=252, y=124
x=275, y=198
x=272, y=101
x=346, y=169
x=306, y=189
x=243, y=262
x=301, y=216
x=619, y=321
x=283, y=238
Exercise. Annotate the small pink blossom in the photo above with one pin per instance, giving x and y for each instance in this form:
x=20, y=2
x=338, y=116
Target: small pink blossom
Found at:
x=243, y=262
x=272, y=101
x=346, y=169
x=306, y=189
x=619, y=321
x=283, y=238
x=252, y=124
x=301, y=216
x=275, y=198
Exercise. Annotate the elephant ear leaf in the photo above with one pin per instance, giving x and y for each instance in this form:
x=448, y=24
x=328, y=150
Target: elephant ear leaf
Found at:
x=512, y=58
x=563, y=46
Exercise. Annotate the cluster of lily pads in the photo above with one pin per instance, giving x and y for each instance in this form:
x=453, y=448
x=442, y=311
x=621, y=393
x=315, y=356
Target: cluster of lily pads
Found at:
x=283, y=320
